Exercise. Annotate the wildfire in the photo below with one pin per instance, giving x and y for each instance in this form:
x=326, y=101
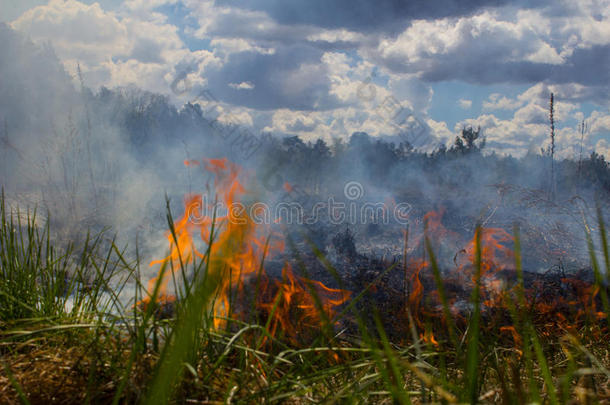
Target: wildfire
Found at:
x=297, y=308
x=294, y=307
x=564, y=304
x=236, y=246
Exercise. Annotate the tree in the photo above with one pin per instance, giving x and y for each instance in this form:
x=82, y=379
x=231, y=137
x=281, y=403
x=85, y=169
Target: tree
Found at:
x=466, y=142
x=359, y=140
x=552, y=146
x=321, y=155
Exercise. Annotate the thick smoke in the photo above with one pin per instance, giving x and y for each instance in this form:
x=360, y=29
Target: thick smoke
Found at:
x=69, y=152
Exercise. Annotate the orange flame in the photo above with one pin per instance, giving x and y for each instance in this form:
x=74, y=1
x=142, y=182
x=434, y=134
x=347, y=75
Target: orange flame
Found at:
x=238, y=247
x=294, y=307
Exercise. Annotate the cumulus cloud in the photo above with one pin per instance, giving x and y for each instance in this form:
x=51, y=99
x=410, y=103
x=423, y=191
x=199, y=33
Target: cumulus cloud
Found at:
x=292, y=77
x=497, y=101
x=290, y=122
x=440, y=131
x=76, y=30
x=469, y=47
x=504, y=47
x=603, y=148
x=465, y=104
x=227, y=46
x=529, y=129
x=336, y=35
x=112, y=49
x=599, y=122
x=322, y=69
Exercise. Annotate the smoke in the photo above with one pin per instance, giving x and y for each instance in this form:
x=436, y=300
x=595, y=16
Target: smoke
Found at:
x=63, y=151
x=106, y=159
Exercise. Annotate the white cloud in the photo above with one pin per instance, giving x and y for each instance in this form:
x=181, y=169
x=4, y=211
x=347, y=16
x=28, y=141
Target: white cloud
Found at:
x=226, y=46
x=440, y=131
x=506, y=45
x=113, y=49
x=603, y=148
x=338, y=35
x=287, y=121
x=304, y=67
x=238, y=117
x=507, y=136
x=76, y=30
x=146, y=5
x=499, y=102
x=532, y=114
x=598, y=122
x=473, y=39
x=215, y=20
x=529, y=127
x=352, y=82
x=242, y=86
x=465, y=104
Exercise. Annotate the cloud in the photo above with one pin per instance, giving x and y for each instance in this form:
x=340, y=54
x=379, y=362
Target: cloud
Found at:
x=226, y=46
x=599, y=122
x=508, y=46
x=113, y=49
x=235, y=117
x=362, y=16
x=507, y=136
x=603, y=148
x=292, y=77
x=440, y=131
x=336, y=35
x=242, y=86
x=340, y=64
x=497, y=101
x=529, y=128
x=465, y=104
x=469, y=47
x=77, y=30
x=146, y=5
x=532, y=114
x=290, y=122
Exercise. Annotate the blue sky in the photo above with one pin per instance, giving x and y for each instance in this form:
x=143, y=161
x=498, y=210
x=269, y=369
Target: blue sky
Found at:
x=327, y=69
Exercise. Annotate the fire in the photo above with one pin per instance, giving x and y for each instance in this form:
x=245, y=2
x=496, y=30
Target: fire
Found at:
x=513, y=332
x=416, y=292
x=182, y=248
x=294, y=306
x=297, y=308
x=495, y=255
x=237, y=246
x=428, y=337
x=568, y=308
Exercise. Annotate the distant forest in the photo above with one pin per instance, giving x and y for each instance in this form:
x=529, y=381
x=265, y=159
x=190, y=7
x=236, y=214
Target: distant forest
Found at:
x=151, y=121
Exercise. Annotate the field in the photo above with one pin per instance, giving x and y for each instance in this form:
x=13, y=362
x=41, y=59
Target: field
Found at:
x=223, y=335
x=246, y=202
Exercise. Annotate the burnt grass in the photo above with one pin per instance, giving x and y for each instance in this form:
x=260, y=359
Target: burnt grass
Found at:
x=558, y=299
x=389, y=342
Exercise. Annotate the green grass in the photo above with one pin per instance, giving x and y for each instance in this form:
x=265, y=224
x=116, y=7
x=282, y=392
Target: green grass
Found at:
x=66, y=337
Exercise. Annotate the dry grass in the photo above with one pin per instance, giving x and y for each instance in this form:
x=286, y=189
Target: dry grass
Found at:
x=52, y=355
